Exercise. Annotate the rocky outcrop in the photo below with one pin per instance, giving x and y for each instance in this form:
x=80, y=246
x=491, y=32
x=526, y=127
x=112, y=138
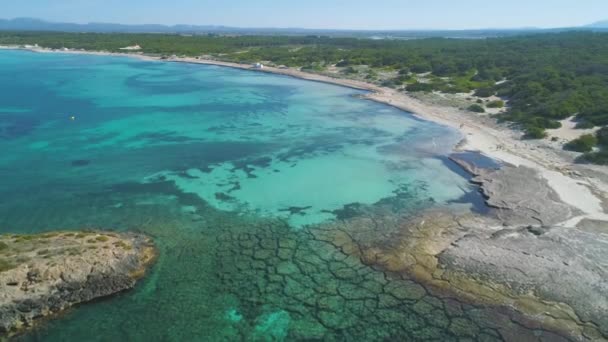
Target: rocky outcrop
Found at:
x=554, y=276
x=41, y=275
x=518, y=195
x=562, y=265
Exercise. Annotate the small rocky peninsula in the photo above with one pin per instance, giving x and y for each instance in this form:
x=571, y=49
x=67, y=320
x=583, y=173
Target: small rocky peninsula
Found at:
x=44, y=274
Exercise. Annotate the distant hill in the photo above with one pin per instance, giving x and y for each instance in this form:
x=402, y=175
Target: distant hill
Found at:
x=599, y=24
x=33, y=24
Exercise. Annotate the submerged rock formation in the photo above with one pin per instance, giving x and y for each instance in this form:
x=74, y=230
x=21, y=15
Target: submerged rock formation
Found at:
x=315, y=284
x=43, y=274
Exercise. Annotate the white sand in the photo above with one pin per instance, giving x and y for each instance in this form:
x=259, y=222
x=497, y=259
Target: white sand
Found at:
x=568, y=131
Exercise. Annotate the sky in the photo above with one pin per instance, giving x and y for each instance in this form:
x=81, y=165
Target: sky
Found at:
x=320, y=14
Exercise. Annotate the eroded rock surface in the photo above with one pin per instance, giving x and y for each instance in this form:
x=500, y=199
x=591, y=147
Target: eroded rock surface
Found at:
x=554, y=275
x=563, y=265
x=44, y=274
x=519, y=195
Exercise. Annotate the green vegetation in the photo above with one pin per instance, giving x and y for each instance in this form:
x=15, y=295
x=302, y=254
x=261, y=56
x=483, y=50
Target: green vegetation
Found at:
x=350, y=70
x=43, y=252
x=49, y=235
x=535, y=133
x=417, y=86
x=496, y=104
x=5, y=265
x=602, y=137
x=585, y=143
x=123, y=245
x=599, y=157
x=545, y=77
x=485, y=92
x=102, y=238
x=583, y=124
x=477, y=108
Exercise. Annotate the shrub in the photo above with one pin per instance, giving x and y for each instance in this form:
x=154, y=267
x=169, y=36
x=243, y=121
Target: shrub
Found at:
x=584, y=143
x=456, y=88
x=496, y=104
x=420, y=87
x=600, y=158
x=403, y=78
x=534, y=132
x=102, y=238
x=342, y=63
x=350, y=70
x=404, y=71
x=420, y=68
x=389, y=83
x=123, y=245
x=485, y=92
x=3, y=246
x=597, y=117
x=584, y=124
x=602, y=137
x=477, y=108
x=543, y=122
x=5, y=265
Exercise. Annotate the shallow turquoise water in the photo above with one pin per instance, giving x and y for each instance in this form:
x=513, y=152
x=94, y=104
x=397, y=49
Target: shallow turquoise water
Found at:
x=242, y=141
x=231, y=172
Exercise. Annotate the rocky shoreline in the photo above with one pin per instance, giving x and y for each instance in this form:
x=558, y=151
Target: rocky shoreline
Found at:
x=520, y=255
x=44, y=274
x=535, y=252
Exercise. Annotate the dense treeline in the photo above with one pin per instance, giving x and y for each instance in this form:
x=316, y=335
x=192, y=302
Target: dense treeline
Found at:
x=545, y=78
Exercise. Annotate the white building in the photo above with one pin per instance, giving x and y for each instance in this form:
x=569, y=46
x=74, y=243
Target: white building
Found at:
x=258, y=66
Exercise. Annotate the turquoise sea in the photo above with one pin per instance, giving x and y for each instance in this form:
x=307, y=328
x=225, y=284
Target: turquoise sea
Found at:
x=231, y=172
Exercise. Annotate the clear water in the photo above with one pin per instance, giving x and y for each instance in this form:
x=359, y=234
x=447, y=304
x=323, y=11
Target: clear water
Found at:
x=230, y=171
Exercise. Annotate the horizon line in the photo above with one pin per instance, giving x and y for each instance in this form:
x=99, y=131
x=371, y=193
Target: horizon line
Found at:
x=305, y=28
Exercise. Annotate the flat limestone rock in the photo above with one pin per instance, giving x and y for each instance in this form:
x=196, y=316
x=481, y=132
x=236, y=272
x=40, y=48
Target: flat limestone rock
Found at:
x=43, y=274
x=563, y=265
x=518, y=194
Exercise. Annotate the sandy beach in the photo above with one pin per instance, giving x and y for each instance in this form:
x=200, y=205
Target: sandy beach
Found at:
x=586, y=191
